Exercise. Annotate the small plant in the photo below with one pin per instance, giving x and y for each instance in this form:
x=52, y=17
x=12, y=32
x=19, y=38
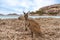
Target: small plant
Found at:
x=53, y=12
x=32, y=12
x=40, y=12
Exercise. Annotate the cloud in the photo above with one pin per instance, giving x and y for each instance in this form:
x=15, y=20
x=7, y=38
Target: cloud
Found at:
x=41, y=3
x=7, y=6
x=11, y=2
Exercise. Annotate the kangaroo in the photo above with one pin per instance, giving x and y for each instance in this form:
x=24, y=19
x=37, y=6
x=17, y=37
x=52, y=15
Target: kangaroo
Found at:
x=32, y=25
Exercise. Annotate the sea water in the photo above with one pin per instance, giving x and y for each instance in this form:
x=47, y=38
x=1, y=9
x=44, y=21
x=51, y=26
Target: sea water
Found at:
x=44, y=16
x=8, y=17
x=15, y=17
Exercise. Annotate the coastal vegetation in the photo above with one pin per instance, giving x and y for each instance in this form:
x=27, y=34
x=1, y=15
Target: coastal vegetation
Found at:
x=13, y=14
x=53, y=10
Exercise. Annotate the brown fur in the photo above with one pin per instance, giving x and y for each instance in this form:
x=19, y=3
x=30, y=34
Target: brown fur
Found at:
x=33, y=25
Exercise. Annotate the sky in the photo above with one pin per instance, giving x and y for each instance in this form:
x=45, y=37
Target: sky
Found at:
x=18, y=6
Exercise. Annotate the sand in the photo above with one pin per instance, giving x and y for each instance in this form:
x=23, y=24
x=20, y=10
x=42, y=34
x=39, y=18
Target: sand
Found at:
x=13, y=29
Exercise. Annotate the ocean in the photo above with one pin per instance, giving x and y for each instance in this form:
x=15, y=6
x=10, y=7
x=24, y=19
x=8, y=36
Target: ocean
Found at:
x=8, y=17
x=44, y=16
x=15, y=17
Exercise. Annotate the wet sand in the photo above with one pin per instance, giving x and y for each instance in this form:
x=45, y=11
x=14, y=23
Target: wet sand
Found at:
x=13, y=29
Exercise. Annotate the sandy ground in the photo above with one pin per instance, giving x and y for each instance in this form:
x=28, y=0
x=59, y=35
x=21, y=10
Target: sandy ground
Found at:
x=13, y=29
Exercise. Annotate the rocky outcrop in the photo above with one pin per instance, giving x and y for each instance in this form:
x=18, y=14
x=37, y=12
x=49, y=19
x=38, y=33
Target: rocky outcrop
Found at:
x=21, y=17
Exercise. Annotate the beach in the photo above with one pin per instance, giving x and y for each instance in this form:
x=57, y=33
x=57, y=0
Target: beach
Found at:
x=13, y=29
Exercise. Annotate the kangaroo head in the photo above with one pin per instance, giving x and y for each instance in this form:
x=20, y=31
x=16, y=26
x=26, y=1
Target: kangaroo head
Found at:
x=25, y=16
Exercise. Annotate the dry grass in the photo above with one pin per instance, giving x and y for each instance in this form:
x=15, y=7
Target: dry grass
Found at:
x=14, y=29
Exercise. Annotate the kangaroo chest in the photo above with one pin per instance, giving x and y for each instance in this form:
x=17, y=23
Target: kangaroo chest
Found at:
x=33, y=26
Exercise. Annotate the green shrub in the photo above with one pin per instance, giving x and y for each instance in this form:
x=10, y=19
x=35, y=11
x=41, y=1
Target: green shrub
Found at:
x=53, y=13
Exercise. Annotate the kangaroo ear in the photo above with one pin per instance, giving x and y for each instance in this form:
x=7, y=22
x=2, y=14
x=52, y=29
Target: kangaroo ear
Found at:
x=23, y=12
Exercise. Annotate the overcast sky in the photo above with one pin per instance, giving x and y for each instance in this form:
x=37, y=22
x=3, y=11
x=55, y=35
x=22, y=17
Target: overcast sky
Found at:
x=18, y=6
